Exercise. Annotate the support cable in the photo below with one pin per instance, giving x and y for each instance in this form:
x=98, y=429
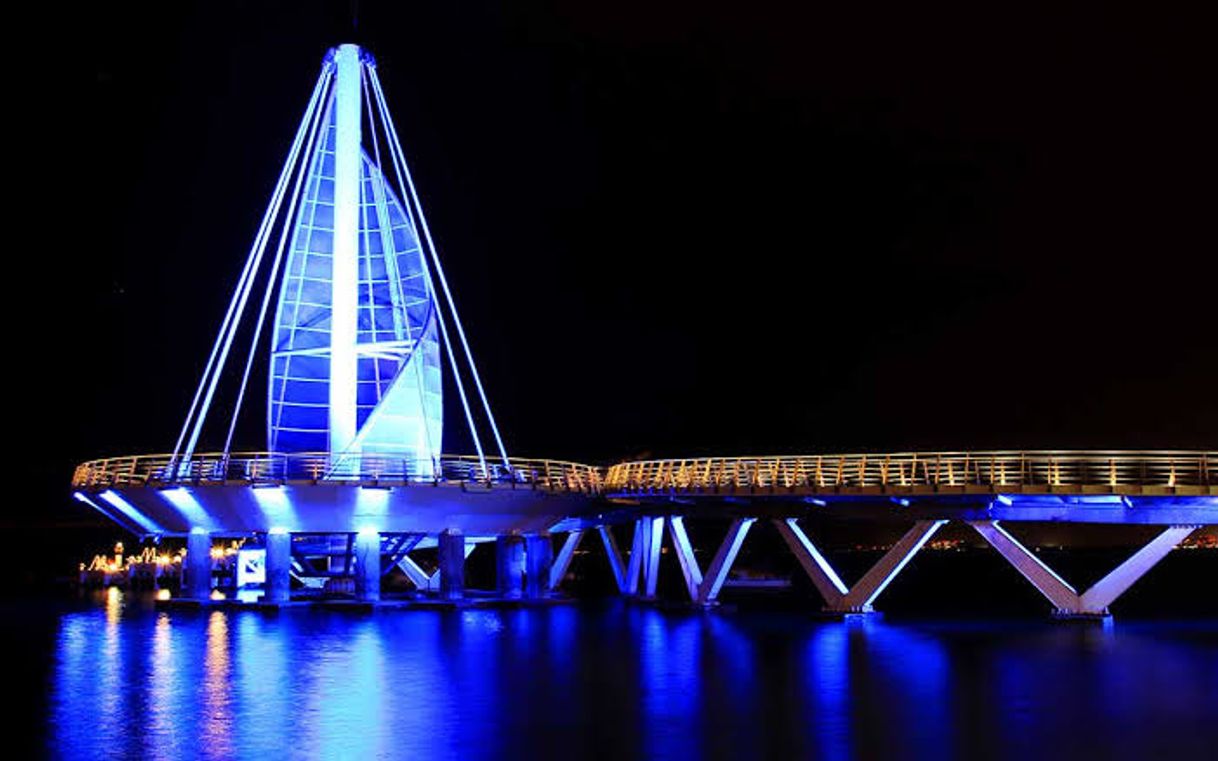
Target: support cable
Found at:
x=215, y=361
x=387, y=225
x=401, y=171
x=293, y=207
x=414, y=199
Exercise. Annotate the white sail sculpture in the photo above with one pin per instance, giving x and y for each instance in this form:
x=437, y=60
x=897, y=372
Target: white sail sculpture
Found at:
x=363, y=307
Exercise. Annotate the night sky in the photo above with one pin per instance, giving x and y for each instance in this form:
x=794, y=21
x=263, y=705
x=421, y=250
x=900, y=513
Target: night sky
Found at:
x=671, y=228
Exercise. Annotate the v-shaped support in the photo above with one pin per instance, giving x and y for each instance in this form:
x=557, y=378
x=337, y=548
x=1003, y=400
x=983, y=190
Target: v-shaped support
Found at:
x=704, y=589
x=856, y=599
x=423, y=581
x=1066, y=600
x=643, y=567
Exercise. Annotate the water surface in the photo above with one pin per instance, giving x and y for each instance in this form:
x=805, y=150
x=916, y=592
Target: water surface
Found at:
x=612, y=680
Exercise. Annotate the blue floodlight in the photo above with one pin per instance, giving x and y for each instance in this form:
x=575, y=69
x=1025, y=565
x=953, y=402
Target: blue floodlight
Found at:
x=115, y=500
x=189, y=507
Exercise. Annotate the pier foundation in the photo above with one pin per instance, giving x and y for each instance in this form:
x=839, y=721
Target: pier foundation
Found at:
x=368, y=566
x=509, y=566
x=198, y=565
x=278, y=567
x=539, y=557
x=452, y=565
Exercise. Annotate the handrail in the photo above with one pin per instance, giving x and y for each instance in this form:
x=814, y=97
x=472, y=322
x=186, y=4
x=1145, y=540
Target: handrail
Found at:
x=269, y=467
x=1053, y=471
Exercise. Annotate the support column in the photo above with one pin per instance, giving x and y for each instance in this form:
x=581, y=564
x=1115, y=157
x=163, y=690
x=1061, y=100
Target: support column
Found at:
x=538, y=555
x=1105, y=591
x=634, y=568
x=368, y=566
x=653, y=538
x=198, y=565
x=1067, y=602
x=452, y=565
x=417, y=575
x=344, y=275
x=278, y=567
x=866, y=589
x=840, y=599
x=615, y=557
x=822, y=575
x=685, y=556
x=509, y=566
x=558, y=571
x=721, y=565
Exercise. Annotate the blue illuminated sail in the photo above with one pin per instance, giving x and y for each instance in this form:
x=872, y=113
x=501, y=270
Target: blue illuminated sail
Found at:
x=399, y=392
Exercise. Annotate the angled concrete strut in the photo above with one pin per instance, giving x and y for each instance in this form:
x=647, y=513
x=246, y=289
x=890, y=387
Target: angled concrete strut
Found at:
x=1067, y=602
x=856, y=599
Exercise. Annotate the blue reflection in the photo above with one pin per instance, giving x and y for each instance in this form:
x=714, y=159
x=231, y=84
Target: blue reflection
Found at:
x=669, y=667
x=828, y=675
x=614, y=681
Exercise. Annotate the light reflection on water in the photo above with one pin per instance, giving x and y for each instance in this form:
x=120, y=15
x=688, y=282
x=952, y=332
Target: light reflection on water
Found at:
x=618, y=681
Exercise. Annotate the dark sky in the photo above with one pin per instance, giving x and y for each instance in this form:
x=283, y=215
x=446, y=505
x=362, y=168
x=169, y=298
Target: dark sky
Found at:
x=672, y=228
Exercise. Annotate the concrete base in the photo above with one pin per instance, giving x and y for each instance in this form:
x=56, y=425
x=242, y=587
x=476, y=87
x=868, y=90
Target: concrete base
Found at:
x=1069, y=616
x=363, y=606
x=368, y=566
x=539, y=558
x=826, y=614
x=509, y=567
x=452, y=565
x=198, y=566
x=278, y=568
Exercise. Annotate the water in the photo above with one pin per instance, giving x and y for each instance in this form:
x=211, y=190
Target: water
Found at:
x=606, y=680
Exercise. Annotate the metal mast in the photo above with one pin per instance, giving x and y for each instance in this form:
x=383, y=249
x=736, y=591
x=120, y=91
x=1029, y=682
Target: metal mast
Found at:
x=344, y=302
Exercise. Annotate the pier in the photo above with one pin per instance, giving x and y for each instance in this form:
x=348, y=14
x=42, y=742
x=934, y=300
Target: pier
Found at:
x=357, y=323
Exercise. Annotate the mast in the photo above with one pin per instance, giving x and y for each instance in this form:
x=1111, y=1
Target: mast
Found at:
x=345, y=274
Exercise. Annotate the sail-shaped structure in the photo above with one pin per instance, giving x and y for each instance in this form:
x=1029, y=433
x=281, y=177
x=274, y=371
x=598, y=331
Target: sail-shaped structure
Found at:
x=353, y=316
x=398, y=399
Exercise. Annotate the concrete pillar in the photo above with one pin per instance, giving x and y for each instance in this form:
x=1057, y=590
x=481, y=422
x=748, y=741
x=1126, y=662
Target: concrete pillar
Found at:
x=685, y=556
x=198, y=565
x=509, y=566
x=721, y=564
x=278, y=567
x=368, y=566
x=558, y=571
x=539, y=557
x=452, y=565
x=1067, y=602
x=653, y=538
x=615, y=559
x=857, y=599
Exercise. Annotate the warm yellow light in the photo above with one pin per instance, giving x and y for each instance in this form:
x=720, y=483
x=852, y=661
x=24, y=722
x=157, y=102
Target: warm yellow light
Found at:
x=162, y=594
x=217, y=595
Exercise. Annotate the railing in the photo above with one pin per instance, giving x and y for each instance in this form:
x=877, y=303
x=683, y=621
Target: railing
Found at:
x=916, y=471
x=270, y=467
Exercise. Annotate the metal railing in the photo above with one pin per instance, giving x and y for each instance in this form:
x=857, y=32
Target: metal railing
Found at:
x=922, y=471
x=1057, y=471
x=270, y=467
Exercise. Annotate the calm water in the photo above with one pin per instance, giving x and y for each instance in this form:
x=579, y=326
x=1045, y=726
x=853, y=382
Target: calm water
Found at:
x=608, y=680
